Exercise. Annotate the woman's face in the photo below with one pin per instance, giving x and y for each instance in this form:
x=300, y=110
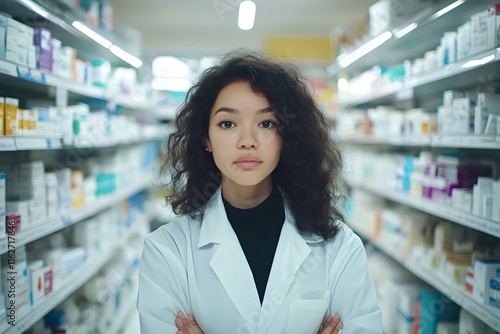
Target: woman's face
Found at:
x=243, y=136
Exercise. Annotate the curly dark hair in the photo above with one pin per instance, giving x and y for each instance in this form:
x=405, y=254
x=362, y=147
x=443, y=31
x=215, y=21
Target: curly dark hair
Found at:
x=310, y=162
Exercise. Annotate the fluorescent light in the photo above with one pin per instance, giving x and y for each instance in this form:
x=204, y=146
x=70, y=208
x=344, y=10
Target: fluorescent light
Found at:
x=171, y=84
x=36, y=8
x=132, y=60
x=345, y=60
x=479, y=62
x=405, y=30
x=343, y=85
x=170, y=67
x=92, y=34
x=246, y=15
x=447, y=9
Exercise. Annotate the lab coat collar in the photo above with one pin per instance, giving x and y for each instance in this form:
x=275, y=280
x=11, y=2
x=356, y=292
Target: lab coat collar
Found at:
x=213, y=230
x=237, y=279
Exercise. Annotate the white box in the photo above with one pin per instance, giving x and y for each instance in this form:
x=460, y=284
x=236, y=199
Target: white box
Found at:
x=3, y=33
x=484, y=271
x=462, y=116
x=493, y=26
x=479, y=32
x=464, y=40
x=35, y=271
x=496, y=202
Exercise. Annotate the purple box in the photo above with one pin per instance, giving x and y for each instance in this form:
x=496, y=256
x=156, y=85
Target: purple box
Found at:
x=13, y=224
x=42, y=40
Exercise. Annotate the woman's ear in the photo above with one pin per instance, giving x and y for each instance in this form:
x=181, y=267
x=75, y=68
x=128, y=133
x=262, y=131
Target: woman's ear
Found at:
x=208, y=145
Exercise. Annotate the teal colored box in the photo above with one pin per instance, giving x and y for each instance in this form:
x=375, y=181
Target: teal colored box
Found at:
x=434, y=308
x=3, y=35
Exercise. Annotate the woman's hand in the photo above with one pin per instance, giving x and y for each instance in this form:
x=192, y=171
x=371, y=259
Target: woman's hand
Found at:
x=332, y=325
x=187, y=325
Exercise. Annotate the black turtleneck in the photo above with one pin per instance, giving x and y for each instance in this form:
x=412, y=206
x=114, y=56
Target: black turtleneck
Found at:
x=258, y=230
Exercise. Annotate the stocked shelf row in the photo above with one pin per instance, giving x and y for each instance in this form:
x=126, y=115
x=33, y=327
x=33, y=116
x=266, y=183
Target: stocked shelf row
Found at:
x=435, y=209
x=68, y=26
x=34, y=143
x=52, y=225
x=421, y=31
x=470, y=142
x=469, y=71
x=70, y=285
x=453, y=292
x=36, y=81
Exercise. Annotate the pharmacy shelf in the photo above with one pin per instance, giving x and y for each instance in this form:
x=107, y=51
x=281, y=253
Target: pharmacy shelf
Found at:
x=40, y=143
x=480, y=70
x=70, y=285
x=453, y=291
x=435, y=209
x=466, y=142
x=33, y=80
x=59, y=20
x=52, y=225
x=426, y=36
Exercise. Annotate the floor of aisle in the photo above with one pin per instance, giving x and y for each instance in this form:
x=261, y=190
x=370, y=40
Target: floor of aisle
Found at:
x=132, y=325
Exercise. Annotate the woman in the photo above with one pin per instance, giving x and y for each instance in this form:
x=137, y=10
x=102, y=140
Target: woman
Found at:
x=258, y=245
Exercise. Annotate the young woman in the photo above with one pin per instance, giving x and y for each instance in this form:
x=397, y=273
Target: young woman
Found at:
x=258, y=245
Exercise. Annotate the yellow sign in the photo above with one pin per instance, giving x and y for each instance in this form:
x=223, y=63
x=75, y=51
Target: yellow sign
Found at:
x=300, y=48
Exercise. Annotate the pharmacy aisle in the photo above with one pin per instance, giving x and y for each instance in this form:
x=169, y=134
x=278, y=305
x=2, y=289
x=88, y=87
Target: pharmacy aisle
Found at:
x=422, y=144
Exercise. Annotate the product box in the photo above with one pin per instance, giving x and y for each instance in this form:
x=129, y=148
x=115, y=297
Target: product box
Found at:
x=493, y=26
x=105, y=16
x=464, y=40
x=495, y=211
x=494, y=297
x=2, y=116
x=55, y=45
x=463, y=116
x=484, y=271
x=479, y=32
x=3, y=34
x=42, y=41
x=10, y=116
x=36, y=275
x=30, y=121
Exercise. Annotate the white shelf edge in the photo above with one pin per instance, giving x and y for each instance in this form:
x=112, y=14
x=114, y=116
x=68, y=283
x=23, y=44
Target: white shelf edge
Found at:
x=7, y=144
x=424, y=79
x=470, y=141
x=443, y=211
x=51, y=80
x=51, y=225
x=481, y=312
x=43, y=143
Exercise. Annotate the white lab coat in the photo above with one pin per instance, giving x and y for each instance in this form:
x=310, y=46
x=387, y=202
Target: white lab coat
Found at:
x=199, y=268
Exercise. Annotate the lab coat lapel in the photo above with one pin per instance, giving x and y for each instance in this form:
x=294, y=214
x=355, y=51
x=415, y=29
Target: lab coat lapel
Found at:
x=229, y=262
x=291, y=253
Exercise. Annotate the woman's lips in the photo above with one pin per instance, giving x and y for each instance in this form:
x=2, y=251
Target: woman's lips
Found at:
x=247, y=162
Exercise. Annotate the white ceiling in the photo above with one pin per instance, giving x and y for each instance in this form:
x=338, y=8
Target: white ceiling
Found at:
x=209, y=27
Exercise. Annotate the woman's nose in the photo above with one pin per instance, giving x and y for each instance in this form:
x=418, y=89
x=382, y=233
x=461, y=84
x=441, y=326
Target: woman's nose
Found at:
x=247, y=139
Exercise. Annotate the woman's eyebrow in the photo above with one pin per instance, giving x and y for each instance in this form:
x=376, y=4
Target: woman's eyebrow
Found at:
x=235, y=111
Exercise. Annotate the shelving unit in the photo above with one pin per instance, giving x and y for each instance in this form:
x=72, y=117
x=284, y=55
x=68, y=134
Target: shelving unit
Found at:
x=52, y=225
x=481, y=70
x=68, y=26
x=70, y=285
x=459, y=142
x=455, y=293
x=452, y=76
x=435, y=209
x=60, y=20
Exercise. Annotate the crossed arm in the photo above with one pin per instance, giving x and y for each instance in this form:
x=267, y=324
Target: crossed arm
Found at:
x=188, y=325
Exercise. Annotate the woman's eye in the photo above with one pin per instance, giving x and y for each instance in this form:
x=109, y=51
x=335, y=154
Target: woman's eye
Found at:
x=226, y=124
x=268, y=124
